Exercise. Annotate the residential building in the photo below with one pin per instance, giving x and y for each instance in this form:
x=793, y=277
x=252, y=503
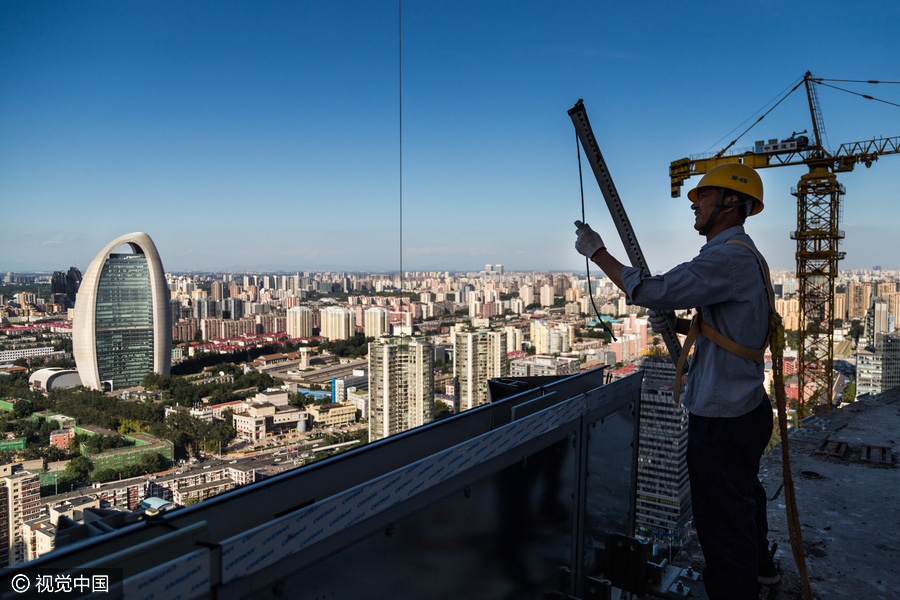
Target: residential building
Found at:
x=19, y=502
x=477, y=356
x=401, y=385
x=122, y=327
x=377, y=322
x=337, y=323
x=299, y=322
x=332, y=415
x=542, y=364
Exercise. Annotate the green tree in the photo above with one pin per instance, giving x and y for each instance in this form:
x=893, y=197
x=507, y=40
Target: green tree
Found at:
x=22, y=408
x=104, y=475
x=79, y=469
x=441, y=411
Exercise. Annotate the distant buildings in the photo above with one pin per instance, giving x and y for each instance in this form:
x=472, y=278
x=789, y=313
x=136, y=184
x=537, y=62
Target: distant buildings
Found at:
x=538, y=365
x=477, y=356
x=122, y=325
x=64, y=286
x=401, y=385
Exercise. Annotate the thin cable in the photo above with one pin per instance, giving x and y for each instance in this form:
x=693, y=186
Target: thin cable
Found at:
x=866, y=96
x=778, y=95
x=722, y=151
x=400, y=101
x=587, y=261
x=854, y=80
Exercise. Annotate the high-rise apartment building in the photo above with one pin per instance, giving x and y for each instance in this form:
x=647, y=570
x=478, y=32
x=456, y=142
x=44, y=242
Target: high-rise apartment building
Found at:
x=663, y=486
x=401, y=385
x=21, y=501
x=377, y=322
x=547, y=293
x=337, y=323
x=299, y=322
x=858, y=300
x=477, y=356
x=526, y=293
x=122, y=327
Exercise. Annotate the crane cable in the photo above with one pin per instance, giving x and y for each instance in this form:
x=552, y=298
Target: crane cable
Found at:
x=734, y=141
x=777, y=96
x=587, y=261
x=866, y=96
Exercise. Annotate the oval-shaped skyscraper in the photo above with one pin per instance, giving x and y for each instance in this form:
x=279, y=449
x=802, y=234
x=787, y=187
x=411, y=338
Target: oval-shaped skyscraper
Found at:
x=122, y=327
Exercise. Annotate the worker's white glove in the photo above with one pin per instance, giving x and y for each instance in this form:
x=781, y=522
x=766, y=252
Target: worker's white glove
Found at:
x=588, y=242
x=659, y=320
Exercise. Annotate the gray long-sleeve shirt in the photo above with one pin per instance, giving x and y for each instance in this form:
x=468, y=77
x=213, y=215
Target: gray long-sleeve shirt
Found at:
x=725, y=282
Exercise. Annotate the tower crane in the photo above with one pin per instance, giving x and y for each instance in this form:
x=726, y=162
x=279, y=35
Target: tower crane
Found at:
x=818, y=234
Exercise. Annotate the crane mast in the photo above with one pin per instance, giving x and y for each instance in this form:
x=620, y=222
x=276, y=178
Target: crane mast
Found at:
x=818, y=234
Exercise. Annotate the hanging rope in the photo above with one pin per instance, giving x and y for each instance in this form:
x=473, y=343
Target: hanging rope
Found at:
x=587, y=261
x=776, y=343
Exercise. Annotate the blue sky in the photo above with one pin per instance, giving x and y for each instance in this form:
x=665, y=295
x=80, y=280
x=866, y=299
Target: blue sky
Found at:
x=267, y=135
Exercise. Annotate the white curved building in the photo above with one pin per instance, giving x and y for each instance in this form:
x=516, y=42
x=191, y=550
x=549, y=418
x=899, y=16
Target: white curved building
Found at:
x=122, y=326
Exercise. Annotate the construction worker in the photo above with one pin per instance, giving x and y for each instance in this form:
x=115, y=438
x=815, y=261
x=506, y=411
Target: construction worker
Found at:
x=730, y=419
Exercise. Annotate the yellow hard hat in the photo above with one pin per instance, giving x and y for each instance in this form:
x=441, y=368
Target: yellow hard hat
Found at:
x=733, y=176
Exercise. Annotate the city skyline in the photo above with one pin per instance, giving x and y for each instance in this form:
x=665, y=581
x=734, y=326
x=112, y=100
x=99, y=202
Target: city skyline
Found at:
x=268, y=138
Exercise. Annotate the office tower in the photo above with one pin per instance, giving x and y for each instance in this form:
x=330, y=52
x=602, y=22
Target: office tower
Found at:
x=217, y=291
x=877, y=319
x=878, y=366
x=299, y=322
x=234, y=307
x=122, y=325
x=401, y=385
x=21, y=501
x=175, y=306
x=663, y=486
x=477, y=356
x=337, y=323
x=377, y=322
x=66, y=284
x=206, y=307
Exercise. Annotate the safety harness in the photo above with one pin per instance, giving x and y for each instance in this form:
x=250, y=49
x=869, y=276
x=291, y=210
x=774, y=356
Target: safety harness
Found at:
x=775, y=340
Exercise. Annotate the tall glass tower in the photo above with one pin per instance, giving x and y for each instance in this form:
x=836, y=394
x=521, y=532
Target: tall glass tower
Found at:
x=122, y=328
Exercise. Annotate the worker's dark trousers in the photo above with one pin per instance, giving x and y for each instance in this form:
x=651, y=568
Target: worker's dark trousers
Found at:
x=728, y=500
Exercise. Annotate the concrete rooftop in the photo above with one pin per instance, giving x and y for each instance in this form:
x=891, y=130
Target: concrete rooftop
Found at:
x=849, y=507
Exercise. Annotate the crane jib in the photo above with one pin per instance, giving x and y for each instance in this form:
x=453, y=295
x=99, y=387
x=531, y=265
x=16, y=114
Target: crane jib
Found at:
x=585, y=134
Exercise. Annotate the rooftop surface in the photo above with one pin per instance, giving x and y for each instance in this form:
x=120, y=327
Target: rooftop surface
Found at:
x=848, y=506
